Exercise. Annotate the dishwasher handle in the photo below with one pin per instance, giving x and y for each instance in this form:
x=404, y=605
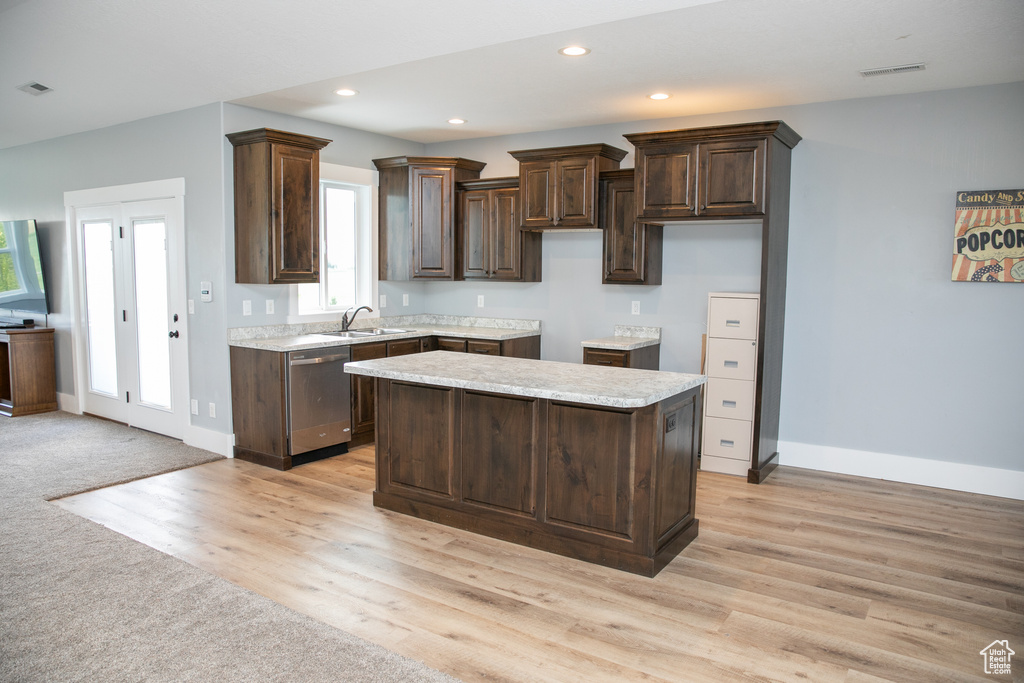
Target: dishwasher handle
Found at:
x=318, y=359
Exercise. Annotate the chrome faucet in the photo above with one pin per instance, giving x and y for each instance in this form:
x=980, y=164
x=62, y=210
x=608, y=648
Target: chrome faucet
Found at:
x=346, y=321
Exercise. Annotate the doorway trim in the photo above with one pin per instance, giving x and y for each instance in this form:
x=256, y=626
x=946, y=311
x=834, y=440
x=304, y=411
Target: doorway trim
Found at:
x=173, y=189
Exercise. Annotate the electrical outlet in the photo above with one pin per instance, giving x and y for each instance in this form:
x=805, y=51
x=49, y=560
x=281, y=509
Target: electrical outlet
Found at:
x=195, y=407
x=636, y=308
x=247, y=307
x=480, y=300
x=191, y=306
x=383, y=300
x=213, y=410
x=405, y=299
x=270, y=306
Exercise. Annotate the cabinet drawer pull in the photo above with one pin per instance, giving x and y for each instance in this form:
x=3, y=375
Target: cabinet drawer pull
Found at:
x=604, y=362
x=726, y=442
x=728, y=404
x=732, y=363
x=732, y=323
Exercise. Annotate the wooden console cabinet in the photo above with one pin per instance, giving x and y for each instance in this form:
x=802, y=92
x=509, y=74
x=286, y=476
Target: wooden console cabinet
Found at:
x=28, y=374
x=277, y=206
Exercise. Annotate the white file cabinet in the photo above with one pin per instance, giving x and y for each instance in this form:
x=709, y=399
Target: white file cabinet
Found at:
x=731, y=366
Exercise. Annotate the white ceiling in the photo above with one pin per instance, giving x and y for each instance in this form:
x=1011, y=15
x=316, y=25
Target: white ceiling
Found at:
x=495, y=64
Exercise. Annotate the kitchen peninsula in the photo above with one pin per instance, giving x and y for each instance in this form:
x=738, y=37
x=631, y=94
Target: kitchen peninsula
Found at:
x=592, y=462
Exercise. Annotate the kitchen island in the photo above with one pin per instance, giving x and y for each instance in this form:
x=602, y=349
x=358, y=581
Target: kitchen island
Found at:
x=596, y=463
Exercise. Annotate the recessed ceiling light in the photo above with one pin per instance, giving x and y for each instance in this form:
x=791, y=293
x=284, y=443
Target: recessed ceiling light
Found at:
x=456, y=122
x=346, y=92
x=659, y=96
x=574, y=51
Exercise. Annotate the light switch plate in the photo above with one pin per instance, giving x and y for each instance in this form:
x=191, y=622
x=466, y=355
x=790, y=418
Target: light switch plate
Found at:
x=247, y=307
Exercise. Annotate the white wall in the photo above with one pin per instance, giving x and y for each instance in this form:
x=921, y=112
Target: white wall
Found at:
x=884, y=354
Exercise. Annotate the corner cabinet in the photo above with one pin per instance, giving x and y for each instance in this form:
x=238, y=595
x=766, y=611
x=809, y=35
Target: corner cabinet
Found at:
x=493, y=247
x=632, y=250
x=416, y=229
x=559, y=185
x=720, y=173
x=277, y=206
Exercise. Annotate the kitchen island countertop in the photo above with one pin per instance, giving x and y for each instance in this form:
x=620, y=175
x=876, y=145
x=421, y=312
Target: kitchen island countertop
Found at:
x=590, y=384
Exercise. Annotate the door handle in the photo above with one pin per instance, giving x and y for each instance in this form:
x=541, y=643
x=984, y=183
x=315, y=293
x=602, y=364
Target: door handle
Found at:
x=173, y=335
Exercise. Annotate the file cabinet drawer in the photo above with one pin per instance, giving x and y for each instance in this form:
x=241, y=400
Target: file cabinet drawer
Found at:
x=732, y=318
x=732, y=358
x=729, y=398
x=727, y=438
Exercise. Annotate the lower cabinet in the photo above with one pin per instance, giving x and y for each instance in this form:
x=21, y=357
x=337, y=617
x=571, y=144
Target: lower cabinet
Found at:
x=521, y=347
x=644, y=358
x=28, y=376
x=363, y=397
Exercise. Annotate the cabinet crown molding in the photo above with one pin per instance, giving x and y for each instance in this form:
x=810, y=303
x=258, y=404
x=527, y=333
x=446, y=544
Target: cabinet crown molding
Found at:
x=452, y=162
x=248, y=137
x=777, y=129
x=599, y=149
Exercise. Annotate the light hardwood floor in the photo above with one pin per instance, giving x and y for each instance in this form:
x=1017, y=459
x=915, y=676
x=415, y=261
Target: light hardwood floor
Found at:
x=807, y=577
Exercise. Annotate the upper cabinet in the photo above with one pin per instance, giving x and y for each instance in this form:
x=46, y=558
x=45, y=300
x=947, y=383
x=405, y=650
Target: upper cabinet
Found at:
x=632, y=250
x=493, y=247
x=417, y=236
x=277, y=207
x=559, y=185
x=705, y=172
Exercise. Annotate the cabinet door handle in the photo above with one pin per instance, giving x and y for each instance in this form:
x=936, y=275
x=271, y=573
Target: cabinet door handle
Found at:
x=727, y=443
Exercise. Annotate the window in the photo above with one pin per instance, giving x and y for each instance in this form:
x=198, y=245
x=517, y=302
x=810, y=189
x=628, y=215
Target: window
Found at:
x=347, y=276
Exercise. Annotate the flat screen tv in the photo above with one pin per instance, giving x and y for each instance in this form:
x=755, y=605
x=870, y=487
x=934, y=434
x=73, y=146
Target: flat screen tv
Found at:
x=21, y=270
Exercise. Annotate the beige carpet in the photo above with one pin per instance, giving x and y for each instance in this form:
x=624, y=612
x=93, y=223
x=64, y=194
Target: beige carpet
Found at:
x=79, y=602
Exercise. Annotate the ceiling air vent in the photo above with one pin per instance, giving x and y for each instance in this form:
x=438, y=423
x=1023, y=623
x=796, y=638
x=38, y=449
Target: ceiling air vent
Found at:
x=902, y=69
x=34, y=88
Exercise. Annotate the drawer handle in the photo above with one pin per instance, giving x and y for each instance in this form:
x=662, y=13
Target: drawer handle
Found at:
x=732, y=363
x=727, y=443
x=732, y=323
x=728, y=404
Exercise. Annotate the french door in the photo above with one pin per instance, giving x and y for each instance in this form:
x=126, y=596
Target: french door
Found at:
x=132, y=310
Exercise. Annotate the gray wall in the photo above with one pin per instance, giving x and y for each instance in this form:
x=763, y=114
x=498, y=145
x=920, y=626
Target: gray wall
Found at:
x=883, y=352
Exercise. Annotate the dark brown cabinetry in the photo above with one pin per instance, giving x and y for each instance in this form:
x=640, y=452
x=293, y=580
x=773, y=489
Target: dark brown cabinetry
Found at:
x=417, y=237
x=732, y=172
x=28, y=374
x=607, y=485
x=363, y=400
x=644, y=358
x=521, y=347
x=632, y=250
x=277, y=206
x=493, y=246
x=558, y=185
x=720, y=171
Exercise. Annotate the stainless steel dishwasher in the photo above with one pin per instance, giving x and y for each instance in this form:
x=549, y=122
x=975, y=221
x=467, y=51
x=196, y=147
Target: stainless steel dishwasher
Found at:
x=319, y=403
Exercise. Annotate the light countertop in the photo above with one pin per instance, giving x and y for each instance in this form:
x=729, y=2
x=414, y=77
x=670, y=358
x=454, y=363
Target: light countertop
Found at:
x=626, y=338
x=590, y=384
x=315, y=335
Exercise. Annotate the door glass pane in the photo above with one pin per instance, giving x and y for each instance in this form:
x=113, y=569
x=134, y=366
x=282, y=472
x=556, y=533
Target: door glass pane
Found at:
x=97, y=238
x=151, y=313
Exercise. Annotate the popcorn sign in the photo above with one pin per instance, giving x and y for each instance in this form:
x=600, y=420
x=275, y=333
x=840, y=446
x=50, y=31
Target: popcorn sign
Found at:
x=988, y=238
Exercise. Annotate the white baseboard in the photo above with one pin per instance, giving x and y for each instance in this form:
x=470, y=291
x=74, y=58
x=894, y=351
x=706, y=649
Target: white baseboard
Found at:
x=955, y=476
x=68, y=403
x=207, y=439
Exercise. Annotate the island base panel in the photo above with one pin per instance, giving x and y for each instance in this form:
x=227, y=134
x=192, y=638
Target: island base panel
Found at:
x=540, y=539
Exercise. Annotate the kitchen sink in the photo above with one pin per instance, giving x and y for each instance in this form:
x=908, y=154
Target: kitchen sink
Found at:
x=377, y=331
